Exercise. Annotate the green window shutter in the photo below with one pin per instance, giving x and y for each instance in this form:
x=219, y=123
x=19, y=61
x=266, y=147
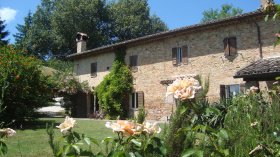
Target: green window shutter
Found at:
x=185, y=54
x=93, y=69
x=174, y=56
x=140, y=99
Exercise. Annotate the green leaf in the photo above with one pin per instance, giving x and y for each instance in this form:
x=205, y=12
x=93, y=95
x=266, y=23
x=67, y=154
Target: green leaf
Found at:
x=79, y=143
x=200, y=136
x=137, y=154
x=226, y=152
x=277, y=140
x=190, y=152
x=107, y=139
x=119, y=154
x=215, y=110
x=266, y=18
x=86, y=153
x=77, y=135
x=3, y=148
x=137, y=143
x=77, y=148
x=183, y=110
x=87, y=140
x=94, y=141
x=199, y=153
x=274, y=17
x=67, y=150
x=131, y=154
x=200, y=127
x=223, y=134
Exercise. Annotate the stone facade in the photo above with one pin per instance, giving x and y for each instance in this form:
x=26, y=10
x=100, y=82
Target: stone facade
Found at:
x=206, y=57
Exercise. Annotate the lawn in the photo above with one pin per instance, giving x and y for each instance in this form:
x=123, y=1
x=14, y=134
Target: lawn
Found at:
x=32, y=139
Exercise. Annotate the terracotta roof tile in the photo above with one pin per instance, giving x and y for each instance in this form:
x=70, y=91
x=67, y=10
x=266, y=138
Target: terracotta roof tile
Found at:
x=260, y=67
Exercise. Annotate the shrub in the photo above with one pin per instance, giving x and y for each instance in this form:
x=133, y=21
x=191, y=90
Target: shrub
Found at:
x=71, y=143
x=195, y=128
x=65, y=83
x=25, y=88
x=253, y=125
x=113, y=91
x=141, y=116
x=132, y=140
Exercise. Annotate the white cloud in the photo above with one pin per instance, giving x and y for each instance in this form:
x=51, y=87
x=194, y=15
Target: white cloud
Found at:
x=7, y=14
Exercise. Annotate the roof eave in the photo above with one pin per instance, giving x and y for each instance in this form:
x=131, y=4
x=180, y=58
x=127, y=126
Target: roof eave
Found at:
x=162, y=35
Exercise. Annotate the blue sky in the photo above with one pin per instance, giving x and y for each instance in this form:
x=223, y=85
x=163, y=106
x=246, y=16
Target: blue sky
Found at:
x=175, y=13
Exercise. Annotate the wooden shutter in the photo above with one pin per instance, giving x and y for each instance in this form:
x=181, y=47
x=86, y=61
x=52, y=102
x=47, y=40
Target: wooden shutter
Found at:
x=132, y=100
x=226, y=47
x=130, y=61
x=185, y=54
x=174, y=56
x=93, y=69
x=133, y=62
x=232, y=46
x=140, y=99
x=222, y=91
x=135, y=58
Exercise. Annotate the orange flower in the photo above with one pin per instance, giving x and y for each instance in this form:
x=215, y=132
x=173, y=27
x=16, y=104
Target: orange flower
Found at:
x=127, y=126
x=123, y=126
x=17, y=77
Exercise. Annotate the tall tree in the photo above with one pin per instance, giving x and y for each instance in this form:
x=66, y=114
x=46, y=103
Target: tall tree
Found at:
x=131, y=19
x=56, y=22
x=215, y=14
x=40, y=35
x=70, y=17
x=21, y=38
x=3, y=34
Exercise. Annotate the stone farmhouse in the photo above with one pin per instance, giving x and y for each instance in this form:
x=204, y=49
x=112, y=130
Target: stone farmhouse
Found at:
x=235, y=53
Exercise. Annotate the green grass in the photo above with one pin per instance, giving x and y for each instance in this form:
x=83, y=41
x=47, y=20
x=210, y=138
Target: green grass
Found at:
x=32, y=140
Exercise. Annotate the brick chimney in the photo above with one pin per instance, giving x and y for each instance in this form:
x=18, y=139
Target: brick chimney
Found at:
x=266, y=3
x=81, y=39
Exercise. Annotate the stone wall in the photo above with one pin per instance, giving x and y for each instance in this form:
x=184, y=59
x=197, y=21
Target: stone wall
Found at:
x=82, y=67
x=206, y=58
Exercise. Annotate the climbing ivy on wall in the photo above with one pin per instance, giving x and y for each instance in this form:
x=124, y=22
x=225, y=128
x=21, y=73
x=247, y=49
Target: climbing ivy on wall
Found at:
x=113, y=91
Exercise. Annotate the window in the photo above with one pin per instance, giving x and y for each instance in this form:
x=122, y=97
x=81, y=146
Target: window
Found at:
x=93, y=70
x=133, y=62
x=230, y=46
x=228, y=91
x=180, y=55
x=136, y=100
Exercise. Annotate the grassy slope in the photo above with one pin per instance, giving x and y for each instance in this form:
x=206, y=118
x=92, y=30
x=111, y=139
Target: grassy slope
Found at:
x=33, y=140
